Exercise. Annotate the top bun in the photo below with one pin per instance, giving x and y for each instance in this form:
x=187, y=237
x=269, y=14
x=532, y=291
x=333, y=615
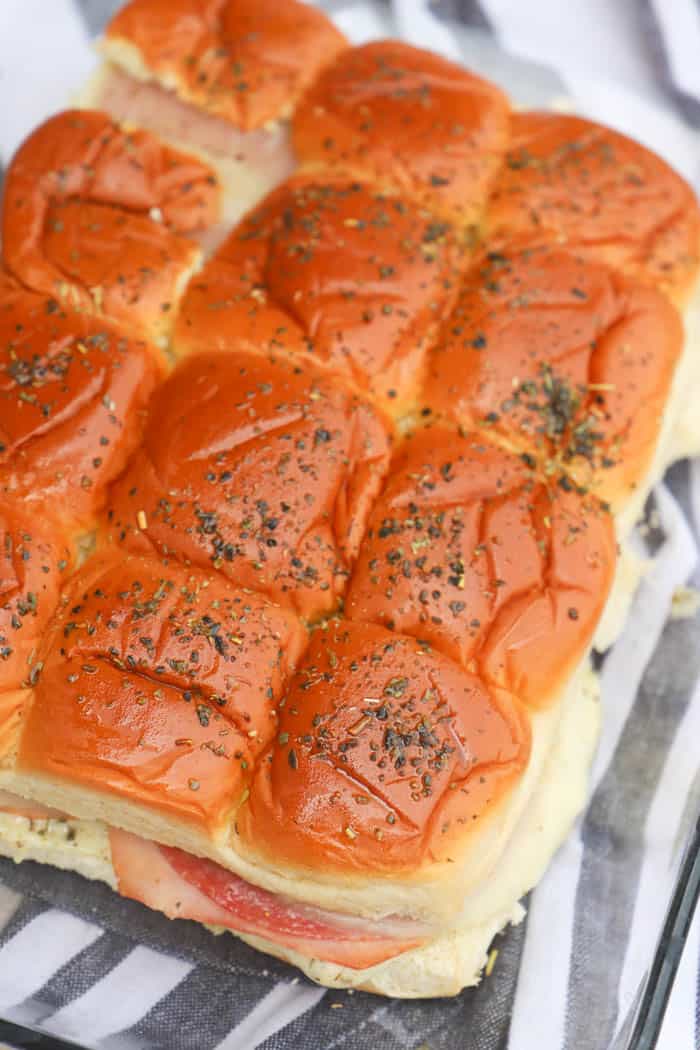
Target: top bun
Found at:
x=553, y=355
x=408, y=119
x=244, y=60
x=159, y=683
x=585, y=186
x=472, y=551
x=263, y=468
x=351, y=276
x=96, y=216
x=73, y=391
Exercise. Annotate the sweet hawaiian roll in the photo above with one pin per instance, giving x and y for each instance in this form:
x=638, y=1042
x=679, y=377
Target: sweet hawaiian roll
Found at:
x=554, y=354
x=246, y=61
x=263, y=468
x=406, y=118
x=584, y=185
x=387, y=756
x=73, y=392
x=355, y=277
x=470, y=550
x=158, y=684
x=96, y=216
x=34, y=562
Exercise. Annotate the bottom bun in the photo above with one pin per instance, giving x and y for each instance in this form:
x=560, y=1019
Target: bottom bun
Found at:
x=451, y=961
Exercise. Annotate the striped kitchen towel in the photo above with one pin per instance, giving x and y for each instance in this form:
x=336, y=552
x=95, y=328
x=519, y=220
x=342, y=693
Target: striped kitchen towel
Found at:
x=79, y=962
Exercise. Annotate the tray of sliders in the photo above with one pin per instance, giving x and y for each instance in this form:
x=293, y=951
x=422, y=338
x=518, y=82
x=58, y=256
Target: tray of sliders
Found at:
x=332, y=387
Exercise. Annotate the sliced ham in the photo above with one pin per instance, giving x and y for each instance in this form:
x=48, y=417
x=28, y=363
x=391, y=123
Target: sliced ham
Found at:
x=146, y=104
x=17, y=806
x=188, y=887
x=248, y=163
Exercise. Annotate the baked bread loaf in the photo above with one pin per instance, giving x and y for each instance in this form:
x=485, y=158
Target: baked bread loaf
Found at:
x=294, y=638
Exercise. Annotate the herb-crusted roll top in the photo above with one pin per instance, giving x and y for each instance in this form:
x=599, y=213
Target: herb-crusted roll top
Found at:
x=354, y=277
x=408, y=119
x=259, y=467
x=96, y=216
x=571, y=182
x=73, y=393
x=307, y=523
x=246, y=61
x=387, y=755
x=159, y=684
x=471, y=550
x=553, y=354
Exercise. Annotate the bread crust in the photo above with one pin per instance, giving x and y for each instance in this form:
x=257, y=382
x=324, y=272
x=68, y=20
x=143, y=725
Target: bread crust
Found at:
x=73, y=395
x=552, y=354
x=246, y=61
x=258, y=467
x=471, y=550
x=159, y=684
x=351, y=277
x=569, y=181
x=409, y=119
x=96, y=216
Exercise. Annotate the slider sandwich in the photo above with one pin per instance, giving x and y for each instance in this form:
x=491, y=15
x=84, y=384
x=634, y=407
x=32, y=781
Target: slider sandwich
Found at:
x=295, y=619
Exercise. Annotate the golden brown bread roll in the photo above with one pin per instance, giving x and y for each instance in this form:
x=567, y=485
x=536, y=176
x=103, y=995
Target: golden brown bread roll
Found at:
x=246, y=61
x=387, y=755
x=260, y=467
x=95, y=216
x=407, y=119
x=352, y=276
x=569, y=181
x=220, y=78
x=553, y=354
x=73, y=391
x=471, y=551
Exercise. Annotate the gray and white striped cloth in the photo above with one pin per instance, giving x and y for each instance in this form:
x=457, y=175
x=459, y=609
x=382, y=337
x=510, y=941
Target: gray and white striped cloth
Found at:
x=78, y=962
